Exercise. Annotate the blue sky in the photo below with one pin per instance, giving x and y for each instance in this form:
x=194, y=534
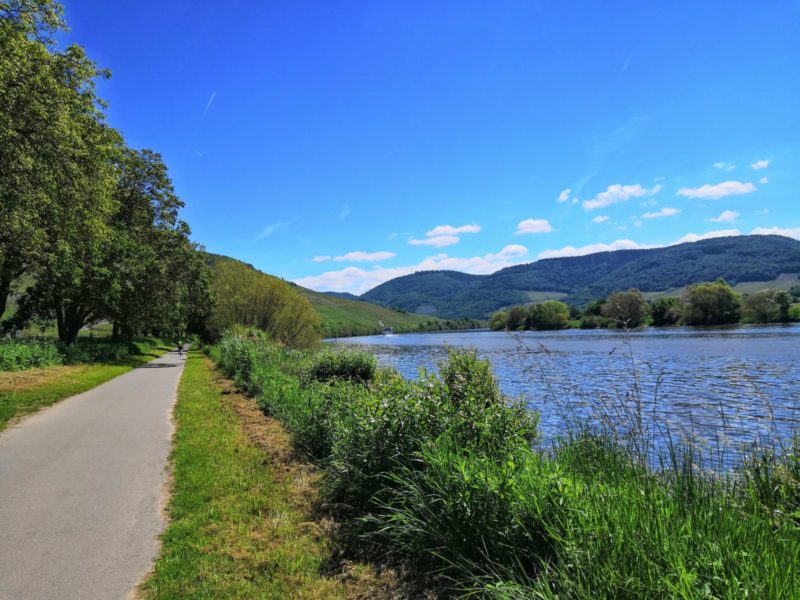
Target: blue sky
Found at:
x=339, y=144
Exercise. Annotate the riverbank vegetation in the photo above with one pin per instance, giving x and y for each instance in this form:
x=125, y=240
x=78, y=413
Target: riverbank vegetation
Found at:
x=444, y=477
x=89, y=227
x=703, y=304
x=241, y=511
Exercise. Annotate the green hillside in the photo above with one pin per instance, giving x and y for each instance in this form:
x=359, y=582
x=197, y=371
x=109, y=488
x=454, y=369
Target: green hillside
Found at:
x=759, y=260
x=343, y=317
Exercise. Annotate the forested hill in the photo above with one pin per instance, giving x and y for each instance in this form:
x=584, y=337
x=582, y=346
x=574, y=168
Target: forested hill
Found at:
x=342, y=316
x=580, y=279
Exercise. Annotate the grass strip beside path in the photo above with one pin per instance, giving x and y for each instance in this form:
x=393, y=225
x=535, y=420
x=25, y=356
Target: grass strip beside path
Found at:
x=25, y=392
x=240, y=512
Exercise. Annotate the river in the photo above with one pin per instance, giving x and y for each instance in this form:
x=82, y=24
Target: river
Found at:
x=720, y=388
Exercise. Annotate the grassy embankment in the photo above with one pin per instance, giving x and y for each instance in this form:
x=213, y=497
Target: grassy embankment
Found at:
x=241, y=523
x=442, y=475
x=23, y=392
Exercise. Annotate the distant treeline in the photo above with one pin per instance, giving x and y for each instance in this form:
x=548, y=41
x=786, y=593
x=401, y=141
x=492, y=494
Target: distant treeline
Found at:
x=709, y=303
x=334, y=330
x=89, y=227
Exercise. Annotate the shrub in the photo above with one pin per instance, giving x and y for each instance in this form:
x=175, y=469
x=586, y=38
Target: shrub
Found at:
x=21, y=355
x=351, y=365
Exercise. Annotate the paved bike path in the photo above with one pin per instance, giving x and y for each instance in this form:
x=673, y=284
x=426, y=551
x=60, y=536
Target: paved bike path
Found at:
x=81, y=488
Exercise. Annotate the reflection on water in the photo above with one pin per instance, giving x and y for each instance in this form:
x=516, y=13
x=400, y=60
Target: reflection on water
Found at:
x=734, y=385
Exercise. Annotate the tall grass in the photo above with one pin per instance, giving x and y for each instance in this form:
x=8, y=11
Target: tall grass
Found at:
x=443, y=474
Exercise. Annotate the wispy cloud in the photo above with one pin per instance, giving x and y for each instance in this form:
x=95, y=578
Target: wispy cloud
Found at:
x=619, y=193
x=727, y=216
x=664, y=212
x=533, y=226
x=564, y=195
x=724, y=166
x=760, y=164
x=272, y=228
x=601, y=219
x=718, y=190
x=763, y=180
x=345, y=212
x=438, y=241
x=323, y=258
x=356, y=256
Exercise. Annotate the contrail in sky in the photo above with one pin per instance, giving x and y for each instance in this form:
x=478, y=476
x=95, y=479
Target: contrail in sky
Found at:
x=208, y=105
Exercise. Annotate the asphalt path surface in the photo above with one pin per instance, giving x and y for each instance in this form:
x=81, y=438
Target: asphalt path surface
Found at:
x=81, y=487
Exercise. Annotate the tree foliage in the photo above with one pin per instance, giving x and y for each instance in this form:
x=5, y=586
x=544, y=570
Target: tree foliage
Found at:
x=666, y=311
x=90, y=222
x=248, y=297
x=626, y=309
x=711, y=304
x=548, y=315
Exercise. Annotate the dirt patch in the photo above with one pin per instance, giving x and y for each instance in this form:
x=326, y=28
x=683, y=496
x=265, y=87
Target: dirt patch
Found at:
x=301, y=478
x=19, y=381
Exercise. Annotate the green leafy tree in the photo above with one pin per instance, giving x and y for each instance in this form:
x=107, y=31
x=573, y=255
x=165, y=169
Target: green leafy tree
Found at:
x=626, y=309
x=548, y=315
x=244, y=296
x=517, y=315
x=498, y=321
x=666, y=311
x=761, y=307
x=783, y=301
x=711, y=304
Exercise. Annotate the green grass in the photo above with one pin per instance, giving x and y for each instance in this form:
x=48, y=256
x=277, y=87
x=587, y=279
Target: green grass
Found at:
x=25, y=392
x=239, y=527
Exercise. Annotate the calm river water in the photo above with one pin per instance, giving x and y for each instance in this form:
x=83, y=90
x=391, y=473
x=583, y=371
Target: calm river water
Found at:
x=720, y=387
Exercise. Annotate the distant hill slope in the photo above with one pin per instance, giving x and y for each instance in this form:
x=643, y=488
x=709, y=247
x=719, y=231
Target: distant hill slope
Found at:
x=584, y=278
x=343, y=317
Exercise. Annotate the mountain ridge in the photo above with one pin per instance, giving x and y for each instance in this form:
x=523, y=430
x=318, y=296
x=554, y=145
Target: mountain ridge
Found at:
x=452, y=294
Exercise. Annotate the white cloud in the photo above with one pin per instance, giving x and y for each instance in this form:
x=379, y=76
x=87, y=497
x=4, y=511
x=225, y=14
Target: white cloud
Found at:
x=444, y=235
x=591, y=249
x=627, y=244
x=716, y=191
x=564, y=195
x=619, y=193
x=600, y=219
x=694, y=237
x=438, y=241
x=664, y=212
x=760, y=164
x=357, y=280
x=450, y=230
x=727, y=216
x=359, y=256
x=723, y=166
x=534, y=226
x=763, y=180
x=321, y=258
x=792, y=232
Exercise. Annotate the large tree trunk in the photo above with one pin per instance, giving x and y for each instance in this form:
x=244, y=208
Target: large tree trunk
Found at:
x=5, y=291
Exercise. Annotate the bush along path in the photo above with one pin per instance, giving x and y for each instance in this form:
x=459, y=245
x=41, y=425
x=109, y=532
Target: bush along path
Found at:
x=81, y=488
x=242, y=508
x=441, y=476
x=34, y=375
